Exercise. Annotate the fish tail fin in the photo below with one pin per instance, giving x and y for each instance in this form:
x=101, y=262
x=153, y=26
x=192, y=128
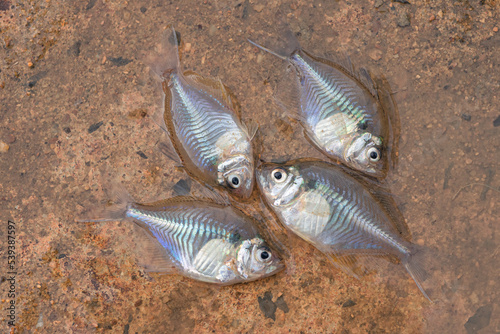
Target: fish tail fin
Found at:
x=415, y=263
x=166, y=60
x=286, y=44
x=121, y=202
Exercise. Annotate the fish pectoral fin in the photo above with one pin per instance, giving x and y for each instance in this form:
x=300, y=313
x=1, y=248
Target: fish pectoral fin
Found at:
x=213, y=87
x=150, y=254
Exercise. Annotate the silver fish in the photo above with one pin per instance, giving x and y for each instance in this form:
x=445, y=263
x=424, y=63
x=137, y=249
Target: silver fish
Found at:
x=338, y=215
x=207, y=134
x=201, y=239
x=340, y=111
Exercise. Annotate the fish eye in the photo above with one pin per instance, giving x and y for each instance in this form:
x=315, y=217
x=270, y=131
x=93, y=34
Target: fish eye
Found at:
x=373, y=154
x=264, y=255
x=279, y=175
x=234, y=181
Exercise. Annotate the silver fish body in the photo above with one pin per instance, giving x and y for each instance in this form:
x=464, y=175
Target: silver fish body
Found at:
x=339, y=110
x=212, y=142
x=337, y=214
x=200, y=239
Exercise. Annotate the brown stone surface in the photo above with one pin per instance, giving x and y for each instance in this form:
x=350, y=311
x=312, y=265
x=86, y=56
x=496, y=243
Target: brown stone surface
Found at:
x=74, y=94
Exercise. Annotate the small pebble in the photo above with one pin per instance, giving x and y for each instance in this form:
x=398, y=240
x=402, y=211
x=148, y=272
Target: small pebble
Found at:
x=468, y=161
x=378, y=3
x=30, y=64
x=403, y=20
x=258, y=8
x=212, y=30
x=375, y=54
x=10, y=138
x=4, y=147
x=495, y=29
x=187, y=47
x=260, y=57
x=432, y=18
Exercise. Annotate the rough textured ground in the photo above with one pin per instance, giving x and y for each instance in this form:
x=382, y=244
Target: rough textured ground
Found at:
x=74, y=94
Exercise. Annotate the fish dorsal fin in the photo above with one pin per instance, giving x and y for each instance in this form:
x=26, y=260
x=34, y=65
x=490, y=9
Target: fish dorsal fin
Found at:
x=150, y=254
x=213, y=87
x=344, y=65
x=385, y=198
x=391, y=208
x=251, y=128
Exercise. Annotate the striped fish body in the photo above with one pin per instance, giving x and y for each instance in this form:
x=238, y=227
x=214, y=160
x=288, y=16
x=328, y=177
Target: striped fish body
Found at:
x=337, y=214
x=208, y=135
x=340, y=115
x=339, y=109
x=206, y=241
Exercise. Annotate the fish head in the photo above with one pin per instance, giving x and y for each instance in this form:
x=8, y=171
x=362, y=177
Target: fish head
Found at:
x=280, y=184
x=255, y=260
x=236, y=175
x=365, y=154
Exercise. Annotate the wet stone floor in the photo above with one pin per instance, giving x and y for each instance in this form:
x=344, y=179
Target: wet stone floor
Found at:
x=76, y=95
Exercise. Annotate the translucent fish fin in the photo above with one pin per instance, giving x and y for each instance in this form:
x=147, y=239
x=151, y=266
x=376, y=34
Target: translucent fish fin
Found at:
x=166, y=59
x=390, y=109
x=205, y=191
x=117, y=209
x=287, y=94
x=213, y=87
x=391, y=208
x=150, y=254
x=158, y=115
x=415, y=264
x=344, y=263
x=251, y=128
x=286, y=43
x=168, y=150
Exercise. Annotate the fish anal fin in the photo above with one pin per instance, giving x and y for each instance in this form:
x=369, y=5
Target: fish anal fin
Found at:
x=167, y=149
x=150, y=254
x=343, y=262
